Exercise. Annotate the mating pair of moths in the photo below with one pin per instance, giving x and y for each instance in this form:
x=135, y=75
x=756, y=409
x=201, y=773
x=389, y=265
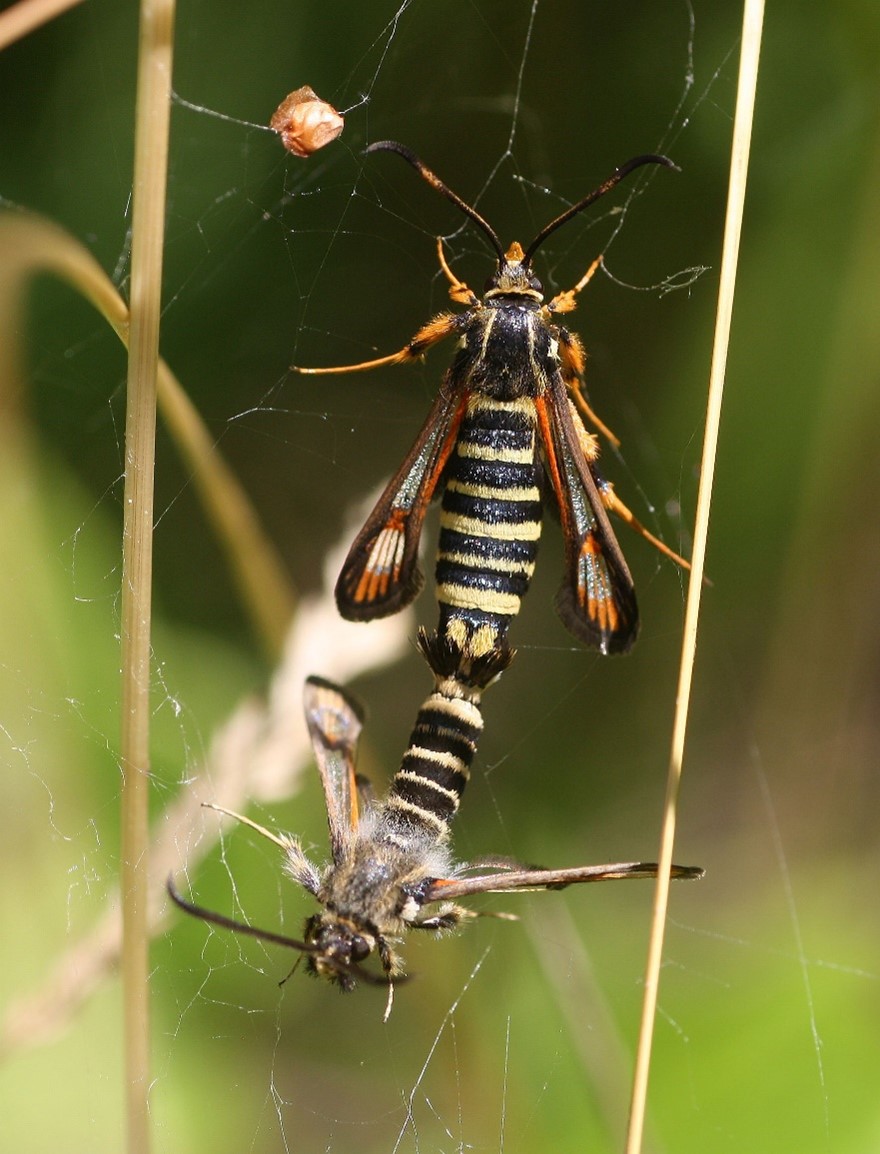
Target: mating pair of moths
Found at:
x=505, y=426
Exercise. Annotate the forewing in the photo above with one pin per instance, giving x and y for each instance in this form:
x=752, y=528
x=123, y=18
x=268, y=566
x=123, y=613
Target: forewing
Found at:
x=335, y=723
x=381, y=572
x=597, y=601
x=449, y=889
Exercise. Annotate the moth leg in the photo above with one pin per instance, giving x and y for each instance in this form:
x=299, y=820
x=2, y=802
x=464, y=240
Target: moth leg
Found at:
x=565, y=302
x=590, y=448
x=391, y=962
x=392, y=968
x=447, y=920
x=573, y=358
x=589, y=442
x=291, y=971
x=458, y=290
x=429, y=334
x=614, y=505
x=282, y=841
x=576, y=391
x=572, y=351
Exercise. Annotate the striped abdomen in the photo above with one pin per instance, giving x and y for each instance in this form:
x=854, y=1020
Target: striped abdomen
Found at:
x=427, y=788
x=490, y=523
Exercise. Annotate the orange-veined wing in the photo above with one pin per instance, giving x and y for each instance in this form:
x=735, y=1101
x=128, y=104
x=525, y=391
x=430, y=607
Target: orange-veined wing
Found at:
x=335, y=724
x=597, y=600
x=381, y=573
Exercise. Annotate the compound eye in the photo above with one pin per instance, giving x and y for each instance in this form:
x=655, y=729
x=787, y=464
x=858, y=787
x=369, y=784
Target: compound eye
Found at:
x=311, y=928
x=360, y=948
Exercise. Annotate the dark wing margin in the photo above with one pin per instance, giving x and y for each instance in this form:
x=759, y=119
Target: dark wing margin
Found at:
x=449, y=889
x=381, y=573
x=597, y=600
x=335, y=722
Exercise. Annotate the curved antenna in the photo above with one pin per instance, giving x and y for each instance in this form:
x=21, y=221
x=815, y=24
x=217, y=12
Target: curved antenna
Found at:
x=615, y=178
x=350, y=968
x=426, y=174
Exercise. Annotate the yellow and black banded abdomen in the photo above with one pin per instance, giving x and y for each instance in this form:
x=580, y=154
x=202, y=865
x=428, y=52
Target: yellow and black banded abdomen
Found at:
x=490, y=523
x=435, y=768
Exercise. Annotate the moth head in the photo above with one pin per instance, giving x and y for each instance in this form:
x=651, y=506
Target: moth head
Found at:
x=336, y=947
x=514, y=276
x=333, y=948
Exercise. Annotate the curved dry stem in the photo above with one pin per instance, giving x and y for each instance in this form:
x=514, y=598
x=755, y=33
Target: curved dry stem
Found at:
x=29, y=245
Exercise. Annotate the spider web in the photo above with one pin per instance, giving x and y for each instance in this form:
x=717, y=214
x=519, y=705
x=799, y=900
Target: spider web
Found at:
x=509, y=1037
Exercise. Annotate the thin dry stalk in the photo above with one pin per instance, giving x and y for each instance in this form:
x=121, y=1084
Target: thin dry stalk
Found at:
x=753, y=16
x=24, y=17
x=152, y=118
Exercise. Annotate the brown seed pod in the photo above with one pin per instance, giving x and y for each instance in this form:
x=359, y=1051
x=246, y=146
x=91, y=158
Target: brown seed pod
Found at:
x=305, y=122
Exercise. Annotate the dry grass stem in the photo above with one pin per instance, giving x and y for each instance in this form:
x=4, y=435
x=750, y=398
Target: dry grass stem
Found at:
x=753, y=16
x=27, y=15
x=152, y=120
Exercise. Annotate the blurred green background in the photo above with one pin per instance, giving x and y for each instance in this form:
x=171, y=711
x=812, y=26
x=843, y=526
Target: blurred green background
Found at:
x=770, y=999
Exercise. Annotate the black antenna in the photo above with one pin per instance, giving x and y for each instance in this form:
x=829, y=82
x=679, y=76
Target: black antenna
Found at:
x=606, y=186
x=435, y=182
x=352, y=969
